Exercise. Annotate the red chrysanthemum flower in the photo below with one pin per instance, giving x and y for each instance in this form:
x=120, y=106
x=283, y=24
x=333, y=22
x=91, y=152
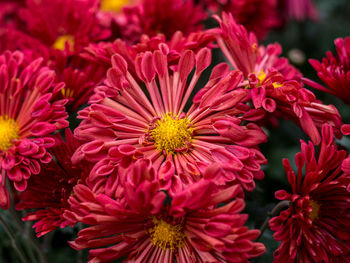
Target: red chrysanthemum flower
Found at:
x=143, y=227
x=27, y=117
x=334, y=71
x=315, y=227
x=184, y=142
x=274, y=85
x=151, y=17
x=49, y=191
x=80, y=77
x=66, y=25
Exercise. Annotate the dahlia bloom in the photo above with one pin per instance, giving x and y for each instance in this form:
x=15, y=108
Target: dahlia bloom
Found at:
x=274, y=85
x=151, y=17
x=181, y=142
x=334, y=71
x=142, y=227
x=65, y=25
x=27, y=117
x=49, y=191
x=315, y=227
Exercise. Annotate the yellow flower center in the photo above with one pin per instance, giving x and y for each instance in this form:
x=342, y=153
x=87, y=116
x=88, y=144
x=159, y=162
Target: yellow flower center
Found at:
x=262, y=75
x=113, y=5
x=60, y=42
x=315, y=210
x=67, y=93
x=171, y=133
x=8, y=132
x=165, y=235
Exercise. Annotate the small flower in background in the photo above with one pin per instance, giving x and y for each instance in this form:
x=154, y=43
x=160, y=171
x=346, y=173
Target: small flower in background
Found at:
x=299, y=10
x=32, y=48
x=315, y=226
x=143, y=227
x=27, y=118
x=181, y=140
x=80, y=77
x=151, y=17
x=274, y=85
x=334, y=71
x=64, y=25
x=258, y=16
x=9, y=14
x=49, y=191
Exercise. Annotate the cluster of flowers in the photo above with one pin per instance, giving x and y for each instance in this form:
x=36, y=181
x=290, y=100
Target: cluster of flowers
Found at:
x=158, y=167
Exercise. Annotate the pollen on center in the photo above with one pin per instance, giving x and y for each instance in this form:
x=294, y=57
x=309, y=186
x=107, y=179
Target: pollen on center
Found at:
x=315, y=210
x=60, y=42
x=8, y=132
x=113, y=5
x=165, y=235
x=171, y=133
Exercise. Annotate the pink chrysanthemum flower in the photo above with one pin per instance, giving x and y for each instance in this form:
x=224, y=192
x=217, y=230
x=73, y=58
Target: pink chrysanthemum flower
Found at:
x=334, y=71
x=49, y=191
x=181, y=141
x=274, y=85
x=27, y=117
x=192, y=227
x=315, y=227
x=65, y=25
x=151, y=17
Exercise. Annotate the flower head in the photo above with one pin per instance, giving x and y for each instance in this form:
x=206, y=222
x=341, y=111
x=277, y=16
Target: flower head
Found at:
x=151, y=17
x=143, y=226
x=274, y=85
x=80, y=77
x=49, y=191
x=27, y=117
x=334, y=71
x=67, y=25
x=315, y=226
x=178, y=138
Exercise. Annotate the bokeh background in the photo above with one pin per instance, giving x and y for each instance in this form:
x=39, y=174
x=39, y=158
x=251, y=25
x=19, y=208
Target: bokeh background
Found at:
x=300, y=41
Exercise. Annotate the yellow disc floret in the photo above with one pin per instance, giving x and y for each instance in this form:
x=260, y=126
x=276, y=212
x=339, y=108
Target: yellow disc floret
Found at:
x=113, y=5
x=262, y=76
x=60, y=42
x=8, y=132
x=67, y=93
x=165, y=235
x=171, y=133
x=315, y=210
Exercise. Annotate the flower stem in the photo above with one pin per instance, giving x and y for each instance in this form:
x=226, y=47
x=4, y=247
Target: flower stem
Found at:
x=13, y=241
x=275, y=211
